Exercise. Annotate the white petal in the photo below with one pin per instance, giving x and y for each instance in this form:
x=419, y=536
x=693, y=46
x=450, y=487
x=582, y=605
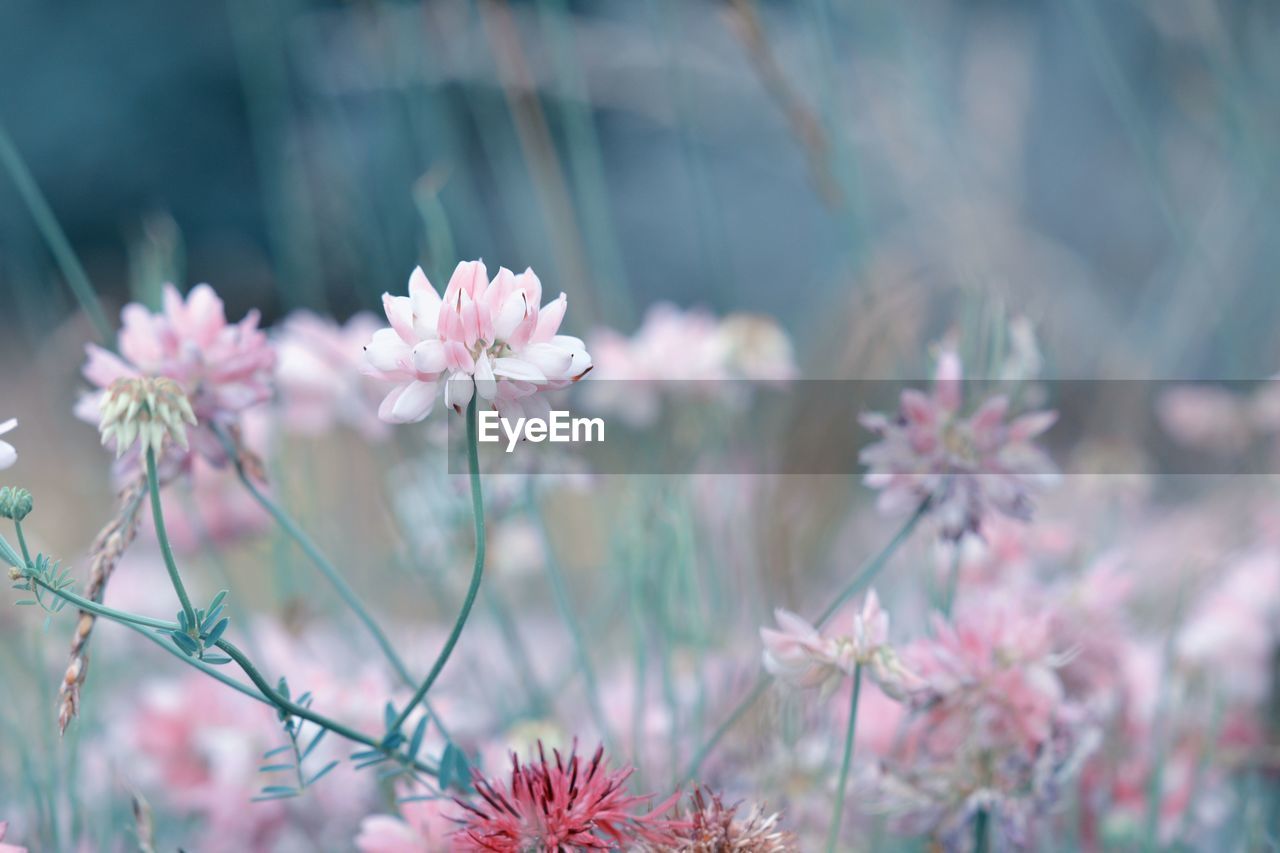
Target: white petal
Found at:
x=415, y=402
x=8, y=425
x=516, y=368
x=428, y=357
x=486, y=383
x=513, y=311
x=458, y=390
x=8, y=455
x=553, y=361
x=386, y=352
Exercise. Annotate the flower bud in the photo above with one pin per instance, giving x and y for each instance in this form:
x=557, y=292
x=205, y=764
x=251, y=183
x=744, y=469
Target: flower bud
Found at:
x=148, y=410
x=15, y=504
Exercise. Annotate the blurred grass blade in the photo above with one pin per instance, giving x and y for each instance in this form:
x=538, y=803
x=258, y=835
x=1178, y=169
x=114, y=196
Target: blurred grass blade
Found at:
x=53, y=234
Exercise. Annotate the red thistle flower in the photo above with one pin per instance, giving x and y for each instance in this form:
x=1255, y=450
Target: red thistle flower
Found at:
x=560, y=805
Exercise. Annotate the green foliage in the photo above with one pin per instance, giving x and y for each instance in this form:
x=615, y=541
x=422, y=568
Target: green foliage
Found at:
x=195, y=641
x=290, y=757
x=44, y=575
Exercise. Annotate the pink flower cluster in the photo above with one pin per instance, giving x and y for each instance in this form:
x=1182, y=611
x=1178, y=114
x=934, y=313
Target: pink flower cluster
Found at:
x=224, y=368
x=320, y=375
x=966, y=467
x=675, y=350
x=489, y=338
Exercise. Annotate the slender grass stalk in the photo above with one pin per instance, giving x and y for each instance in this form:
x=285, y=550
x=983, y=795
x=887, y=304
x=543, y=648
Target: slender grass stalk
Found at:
x=477, y=571
x=863, y=578
x=56, y=239
x=313, y=552
x=953, y=581
x=157, y=514
x=560, y=592
x=837, y=815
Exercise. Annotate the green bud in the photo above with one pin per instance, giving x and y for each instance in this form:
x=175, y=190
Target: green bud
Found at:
x=15, y=504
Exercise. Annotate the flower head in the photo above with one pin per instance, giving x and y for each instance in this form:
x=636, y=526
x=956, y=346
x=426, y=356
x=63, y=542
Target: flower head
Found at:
x=320, y=375
x=560, y=804
x=150, y=411
x=709, y=826
x=223, y=368
x=964, y=466
x=802, y=656
x=489, y=338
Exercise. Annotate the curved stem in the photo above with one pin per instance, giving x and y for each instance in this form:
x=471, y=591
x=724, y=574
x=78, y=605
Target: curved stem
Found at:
x=104, y=611
x=157, y=514
x=981, y=832
x=313, y=552
x=837, y=814
x=268, y=693
x=477, y=570
x=862, y=579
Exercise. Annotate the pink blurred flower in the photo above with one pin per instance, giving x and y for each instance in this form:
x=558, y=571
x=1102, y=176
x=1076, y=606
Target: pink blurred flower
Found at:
x=210, y=508
x=966, y=467
x=320, y=375
x=683, y=348
x=560, y=804
x=1206, y=418
x=800, y=655
x=485, y=337
x=224, y=368
x=422, y=827
x=8, y=455
x=8, y=848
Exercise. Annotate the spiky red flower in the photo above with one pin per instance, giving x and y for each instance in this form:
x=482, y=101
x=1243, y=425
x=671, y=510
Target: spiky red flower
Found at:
x=560, y=805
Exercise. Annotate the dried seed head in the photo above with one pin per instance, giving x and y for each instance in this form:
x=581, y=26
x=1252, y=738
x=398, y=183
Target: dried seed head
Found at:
x=147, y=410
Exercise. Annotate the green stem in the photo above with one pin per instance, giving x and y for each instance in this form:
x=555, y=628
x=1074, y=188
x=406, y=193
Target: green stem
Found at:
x=477, y=571
x=313, y=552
x=157, y=514
x=953, y=581
x=864, y=577
x=104, y=611
x=838, y=814
x=560, y=592
x=56, y=239
x=267, y=692
x=22, y=543
x=981, y=832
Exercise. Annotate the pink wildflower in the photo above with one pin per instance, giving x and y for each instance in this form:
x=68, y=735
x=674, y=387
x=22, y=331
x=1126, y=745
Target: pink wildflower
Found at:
x=964, y=466
x=223, y=368
x=8, y=455
x=684, y=348
x=485, y=337
x=320, y=375
x=802, y=656
x=560, y=804
x=421, y=828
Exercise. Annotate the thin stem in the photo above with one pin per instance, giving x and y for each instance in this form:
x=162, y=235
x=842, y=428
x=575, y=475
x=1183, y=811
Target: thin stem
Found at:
x=868, y=572
x=104, y=611
x=313, y=552
x=953, y=581
x=560, y=592
x=838, y=814
x=157, y=514
x=864, y=577
x=981, y=832
x=267, y=692
x=22, y=543
x=56, y=239
x=477, y=571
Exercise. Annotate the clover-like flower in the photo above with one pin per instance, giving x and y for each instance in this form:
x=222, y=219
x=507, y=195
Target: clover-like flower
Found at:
x=802, y=656
x=149, y=410
x=482, y=337
x=223, y=368
x=964, y=466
